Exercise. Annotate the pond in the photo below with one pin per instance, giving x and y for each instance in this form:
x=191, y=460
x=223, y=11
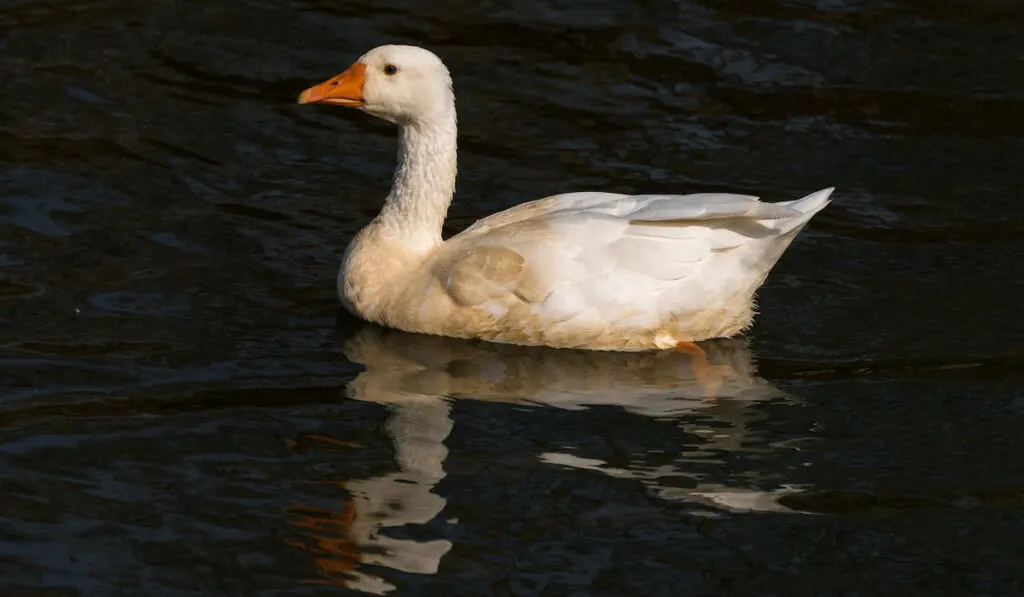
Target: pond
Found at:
x=186, y=411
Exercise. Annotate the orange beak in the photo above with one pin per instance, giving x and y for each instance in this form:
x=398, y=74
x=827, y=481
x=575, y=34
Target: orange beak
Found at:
x=345, y=89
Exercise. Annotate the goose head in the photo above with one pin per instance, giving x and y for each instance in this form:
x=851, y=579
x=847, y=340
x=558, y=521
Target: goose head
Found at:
x=406, y=85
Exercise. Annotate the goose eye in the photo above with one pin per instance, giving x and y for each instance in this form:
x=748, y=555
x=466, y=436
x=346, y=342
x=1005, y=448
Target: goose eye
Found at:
x=390, y=69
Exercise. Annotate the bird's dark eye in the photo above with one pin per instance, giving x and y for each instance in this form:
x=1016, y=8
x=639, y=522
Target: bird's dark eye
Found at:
x=390, y=69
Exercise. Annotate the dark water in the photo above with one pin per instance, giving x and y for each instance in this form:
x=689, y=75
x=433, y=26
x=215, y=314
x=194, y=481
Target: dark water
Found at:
x=184, y=414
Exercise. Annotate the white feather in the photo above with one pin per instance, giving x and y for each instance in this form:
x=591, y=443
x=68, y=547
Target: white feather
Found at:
x=645, y=256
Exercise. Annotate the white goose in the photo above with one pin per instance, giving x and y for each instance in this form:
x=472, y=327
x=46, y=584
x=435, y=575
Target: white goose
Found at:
x=600, y=271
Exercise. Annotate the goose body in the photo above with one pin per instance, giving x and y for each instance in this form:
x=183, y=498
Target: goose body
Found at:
x=589, y=270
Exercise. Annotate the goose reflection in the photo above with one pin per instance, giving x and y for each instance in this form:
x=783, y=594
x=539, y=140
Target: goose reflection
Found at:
x=415, y=376
x=400, y=366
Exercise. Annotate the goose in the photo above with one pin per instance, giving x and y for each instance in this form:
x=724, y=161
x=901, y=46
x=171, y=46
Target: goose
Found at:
x=581, y=270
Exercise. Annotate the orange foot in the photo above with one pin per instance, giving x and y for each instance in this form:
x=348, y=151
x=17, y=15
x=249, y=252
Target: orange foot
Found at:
x=708, y=376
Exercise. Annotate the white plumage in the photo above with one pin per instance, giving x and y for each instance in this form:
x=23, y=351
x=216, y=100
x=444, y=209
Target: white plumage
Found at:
x=585, y=270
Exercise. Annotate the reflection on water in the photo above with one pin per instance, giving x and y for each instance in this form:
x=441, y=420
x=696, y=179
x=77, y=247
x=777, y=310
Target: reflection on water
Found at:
x=418, y=376
x=355, y=534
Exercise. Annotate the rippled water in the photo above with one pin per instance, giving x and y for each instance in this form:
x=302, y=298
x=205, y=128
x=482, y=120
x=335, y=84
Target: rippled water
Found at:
x=184, y=412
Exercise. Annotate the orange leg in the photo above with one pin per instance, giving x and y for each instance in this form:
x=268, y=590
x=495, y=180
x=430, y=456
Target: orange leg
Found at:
x=708, y=376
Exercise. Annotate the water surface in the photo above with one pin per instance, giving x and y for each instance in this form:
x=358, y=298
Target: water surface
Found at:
x=184, y=412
